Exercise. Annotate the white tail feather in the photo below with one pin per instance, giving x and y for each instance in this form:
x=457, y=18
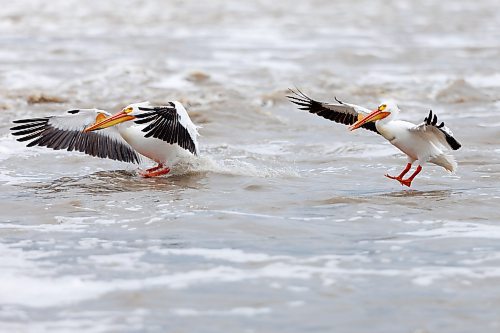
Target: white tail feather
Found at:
x=446, y=161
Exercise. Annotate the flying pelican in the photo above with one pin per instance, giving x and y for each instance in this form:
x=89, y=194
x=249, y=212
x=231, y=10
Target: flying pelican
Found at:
x=160, y=133
x=426, y=142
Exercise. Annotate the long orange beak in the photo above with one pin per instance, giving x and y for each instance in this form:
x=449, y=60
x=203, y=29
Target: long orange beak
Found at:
x=374, y=116
x=120, y=117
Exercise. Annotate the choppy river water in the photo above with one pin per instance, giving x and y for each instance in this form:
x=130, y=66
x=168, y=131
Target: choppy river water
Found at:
x=285, y=223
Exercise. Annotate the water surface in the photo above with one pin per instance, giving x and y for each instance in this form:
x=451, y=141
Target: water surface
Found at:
x=285, y=223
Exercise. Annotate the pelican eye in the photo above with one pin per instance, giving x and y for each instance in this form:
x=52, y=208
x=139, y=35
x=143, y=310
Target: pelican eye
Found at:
x=382, y=107
x=128, y=110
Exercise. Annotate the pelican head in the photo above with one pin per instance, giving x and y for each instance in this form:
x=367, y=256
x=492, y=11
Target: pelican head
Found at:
x=126, y=114
x=386, y=112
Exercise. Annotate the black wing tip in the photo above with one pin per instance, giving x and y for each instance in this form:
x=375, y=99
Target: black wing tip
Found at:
x=454, y=144
x=134, y=159
x=297, y=92
x=310, y=105
x=432, y=120
x=29, y=129
x=30, y=120
x=302, y=100
x=427, y=120
x=164, y=125
x=90, y=143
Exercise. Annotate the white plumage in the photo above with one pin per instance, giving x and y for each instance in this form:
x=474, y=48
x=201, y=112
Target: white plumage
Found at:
x=421, y=143
x=154, y=148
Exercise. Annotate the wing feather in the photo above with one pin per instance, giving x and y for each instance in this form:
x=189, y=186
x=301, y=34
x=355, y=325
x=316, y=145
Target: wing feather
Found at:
x=342, y=113
x=66, y=132
x=439, y=133
x=169, y=123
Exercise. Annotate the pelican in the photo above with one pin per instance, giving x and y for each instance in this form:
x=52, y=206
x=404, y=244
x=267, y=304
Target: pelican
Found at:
x=426, y=142
x=160, y=133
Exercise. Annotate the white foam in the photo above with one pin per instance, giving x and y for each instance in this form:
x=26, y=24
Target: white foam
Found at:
x=134, y=208
x=449, y=229
x=230, y=166
x=267, y=149
x=425, y=276
x=239, y=311
x=240, y=213
x=121, y=262
x=10, y=147
x=227, y=254
x=65, y=224
x=29, y=279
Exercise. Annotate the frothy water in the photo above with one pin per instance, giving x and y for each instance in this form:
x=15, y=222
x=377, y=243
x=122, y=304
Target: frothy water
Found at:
x=285, y=222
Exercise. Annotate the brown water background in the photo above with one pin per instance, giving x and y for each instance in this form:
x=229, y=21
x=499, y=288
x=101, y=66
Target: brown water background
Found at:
x=286, y=222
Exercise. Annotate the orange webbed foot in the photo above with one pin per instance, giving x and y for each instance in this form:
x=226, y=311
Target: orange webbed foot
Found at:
x=154, y=172
x=406, y=182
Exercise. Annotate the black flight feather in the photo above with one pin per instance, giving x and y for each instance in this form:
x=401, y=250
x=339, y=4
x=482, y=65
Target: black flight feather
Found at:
x=340, y=113
x=44, y=134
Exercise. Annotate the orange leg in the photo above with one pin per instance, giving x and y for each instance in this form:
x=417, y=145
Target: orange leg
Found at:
x=158, y=170
x=408, y=181
x=155, y=168
x=404, y=172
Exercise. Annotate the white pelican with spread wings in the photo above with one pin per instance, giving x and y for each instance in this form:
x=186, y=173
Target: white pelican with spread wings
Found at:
x=426, y=142
x=160, y=133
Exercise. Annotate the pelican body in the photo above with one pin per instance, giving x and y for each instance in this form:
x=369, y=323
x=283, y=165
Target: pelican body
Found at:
x=423, y=143
x=160, y=133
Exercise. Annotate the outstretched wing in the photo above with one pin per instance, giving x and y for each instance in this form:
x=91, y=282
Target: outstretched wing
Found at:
x=343, y=113
x=170, y=123
x=434, y=132
x=66, y=132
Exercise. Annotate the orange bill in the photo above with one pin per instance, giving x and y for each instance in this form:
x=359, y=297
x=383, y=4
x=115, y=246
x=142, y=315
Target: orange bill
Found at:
x=109, y=121
x=374, y=116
